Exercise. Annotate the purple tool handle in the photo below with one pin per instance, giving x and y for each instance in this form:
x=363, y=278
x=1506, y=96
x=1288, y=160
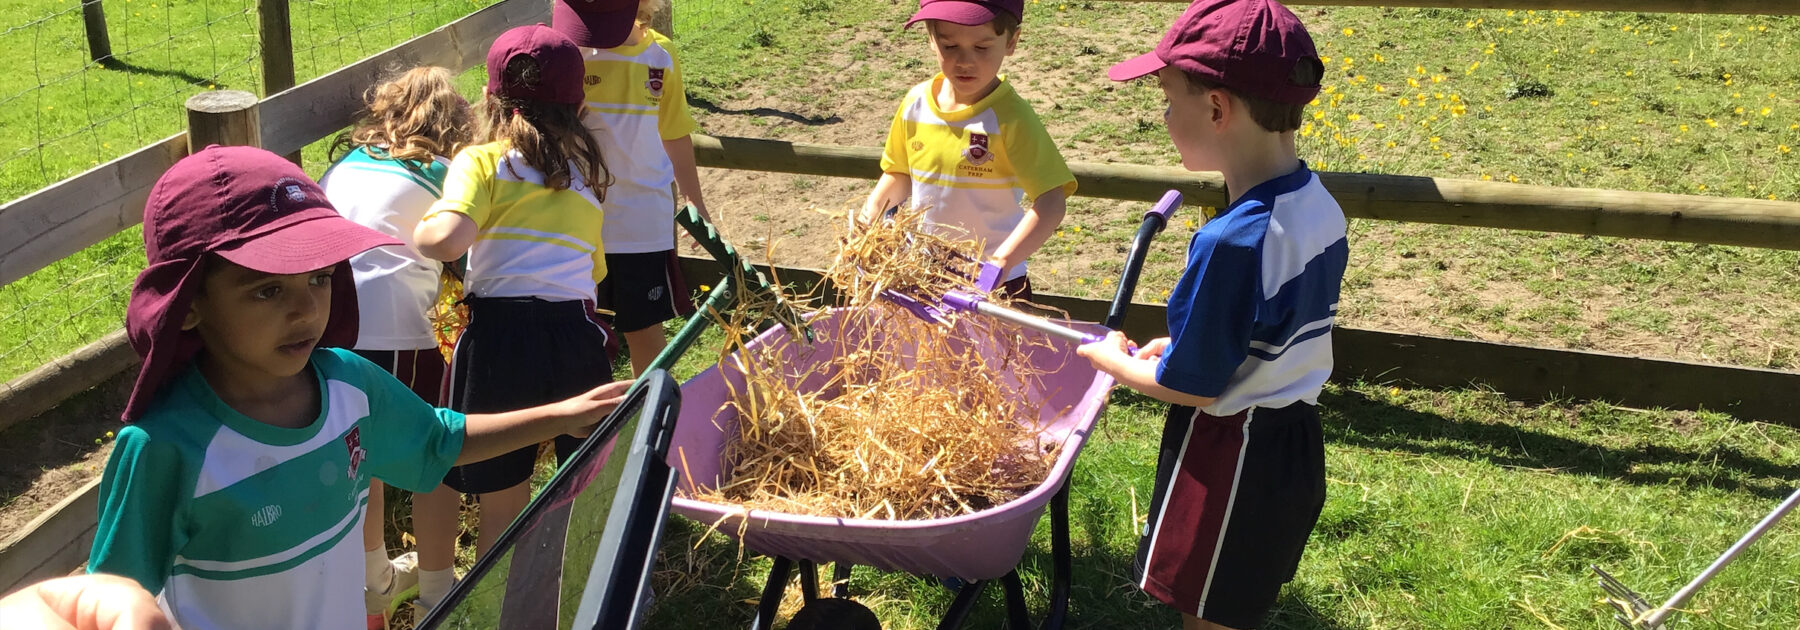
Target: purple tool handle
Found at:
x=1166, y=206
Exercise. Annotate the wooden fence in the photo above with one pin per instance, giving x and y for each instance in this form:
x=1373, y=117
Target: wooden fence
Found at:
x=1738, y=7
x=75, y=213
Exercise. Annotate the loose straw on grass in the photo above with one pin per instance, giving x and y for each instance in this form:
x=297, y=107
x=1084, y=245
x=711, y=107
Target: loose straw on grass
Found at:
x=902, y=419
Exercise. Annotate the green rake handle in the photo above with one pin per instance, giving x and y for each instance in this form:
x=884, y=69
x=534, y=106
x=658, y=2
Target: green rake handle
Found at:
x=720, y=297
x=727, y=256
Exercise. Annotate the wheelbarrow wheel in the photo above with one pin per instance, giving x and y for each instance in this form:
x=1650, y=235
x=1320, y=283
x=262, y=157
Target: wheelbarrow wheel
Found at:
x=834, y=613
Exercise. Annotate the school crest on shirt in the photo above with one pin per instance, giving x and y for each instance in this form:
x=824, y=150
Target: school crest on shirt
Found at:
x=655, y=84
x=353, y=443
x=978, y=152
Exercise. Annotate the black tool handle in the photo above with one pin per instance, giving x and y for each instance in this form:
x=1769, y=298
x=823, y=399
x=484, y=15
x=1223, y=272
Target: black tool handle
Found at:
x=1154, y=221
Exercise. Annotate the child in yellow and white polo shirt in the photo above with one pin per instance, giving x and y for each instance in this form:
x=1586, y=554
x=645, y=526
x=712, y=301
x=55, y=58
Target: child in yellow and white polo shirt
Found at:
x=966, y=148
x=638, y=113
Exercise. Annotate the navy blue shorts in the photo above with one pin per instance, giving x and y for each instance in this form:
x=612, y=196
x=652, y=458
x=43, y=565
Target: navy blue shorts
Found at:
x=518, y=353
x=643, y=290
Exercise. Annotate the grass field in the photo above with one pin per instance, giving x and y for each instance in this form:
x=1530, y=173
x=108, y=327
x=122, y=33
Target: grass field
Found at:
x=1448, y=509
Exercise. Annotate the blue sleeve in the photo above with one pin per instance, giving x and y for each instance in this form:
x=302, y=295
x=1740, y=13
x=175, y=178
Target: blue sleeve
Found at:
x=1211, y=312
x=140, y=495
x=411, y=444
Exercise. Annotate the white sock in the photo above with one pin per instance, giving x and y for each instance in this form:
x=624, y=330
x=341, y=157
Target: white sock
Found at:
x=434, y=585
x=377, y=572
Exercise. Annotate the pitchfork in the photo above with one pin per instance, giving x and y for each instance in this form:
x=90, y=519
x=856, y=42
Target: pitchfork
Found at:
x=1635, y=612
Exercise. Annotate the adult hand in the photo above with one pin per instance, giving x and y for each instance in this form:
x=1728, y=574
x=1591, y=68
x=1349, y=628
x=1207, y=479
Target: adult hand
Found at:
x=83, y=602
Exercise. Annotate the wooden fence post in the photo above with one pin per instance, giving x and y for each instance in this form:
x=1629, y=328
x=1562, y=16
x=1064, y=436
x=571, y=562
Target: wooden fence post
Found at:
x=224, y=117
x=276, y=33
x=664, y=19
x=93, y=18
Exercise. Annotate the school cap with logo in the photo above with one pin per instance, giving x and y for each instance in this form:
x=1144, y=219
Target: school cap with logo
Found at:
x=595, y=23
x=250, y=207
x=560, y=68
x=967, y=12
x=1252, y=46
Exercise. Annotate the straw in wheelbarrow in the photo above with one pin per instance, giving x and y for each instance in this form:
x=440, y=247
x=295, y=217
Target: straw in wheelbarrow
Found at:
x=918, y=422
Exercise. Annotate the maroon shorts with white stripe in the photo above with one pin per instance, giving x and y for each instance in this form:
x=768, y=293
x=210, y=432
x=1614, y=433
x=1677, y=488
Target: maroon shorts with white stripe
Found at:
x=1236, y=498
x=643, y=290
x=420, y=370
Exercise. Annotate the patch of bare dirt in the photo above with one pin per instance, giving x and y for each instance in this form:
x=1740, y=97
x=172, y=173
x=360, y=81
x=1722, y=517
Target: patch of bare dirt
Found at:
x=45, y=459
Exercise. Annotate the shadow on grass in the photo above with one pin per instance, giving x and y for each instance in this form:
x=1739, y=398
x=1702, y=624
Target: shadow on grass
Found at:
x=1352, y=418
x=811, y=121
x=114, y=63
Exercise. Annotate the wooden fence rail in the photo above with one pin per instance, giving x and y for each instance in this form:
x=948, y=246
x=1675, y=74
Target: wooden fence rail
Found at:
x=1658, y=216
x=1738, y=7
x=1520, y=372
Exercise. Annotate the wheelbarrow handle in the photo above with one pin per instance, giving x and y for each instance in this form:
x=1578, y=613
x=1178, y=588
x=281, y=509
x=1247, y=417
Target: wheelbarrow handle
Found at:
x=1154, y=221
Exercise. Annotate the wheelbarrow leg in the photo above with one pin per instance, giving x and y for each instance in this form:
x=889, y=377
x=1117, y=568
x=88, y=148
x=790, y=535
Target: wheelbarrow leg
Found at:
x=771, y=595
x=809, y=582
x=1017, y=616
x=840, y=579
x=959, y=609
x=1060, y=559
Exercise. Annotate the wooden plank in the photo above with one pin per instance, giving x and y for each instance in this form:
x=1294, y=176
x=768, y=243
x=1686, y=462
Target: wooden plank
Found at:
x=1548, y=374
x=54, y=543
x=1521, y=372
x=1738, y=7
x=50, y=384
x=1588, y=211
x=323, y=106
x=67, y=216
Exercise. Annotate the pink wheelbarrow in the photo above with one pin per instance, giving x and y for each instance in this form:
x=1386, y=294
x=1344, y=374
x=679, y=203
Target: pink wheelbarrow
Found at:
x=975, y=548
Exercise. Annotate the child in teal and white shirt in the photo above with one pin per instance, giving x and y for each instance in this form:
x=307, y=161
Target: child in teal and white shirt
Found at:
x=237, y=492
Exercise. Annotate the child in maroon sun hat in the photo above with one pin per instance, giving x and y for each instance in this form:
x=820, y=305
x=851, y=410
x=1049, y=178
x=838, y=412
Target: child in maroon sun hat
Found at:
x=1240, y=479
x=967, y=150
x=236, y=491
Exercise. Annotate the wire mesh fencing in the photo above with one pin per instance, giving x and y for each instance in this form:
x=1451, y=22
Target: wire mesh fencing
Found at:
x=89, y=82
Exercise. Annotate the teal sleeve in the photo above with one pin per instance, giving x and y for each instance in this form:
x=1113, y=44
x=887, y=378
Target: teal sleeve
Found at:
x=140, y=496
x=411, y=444
x=436, y=171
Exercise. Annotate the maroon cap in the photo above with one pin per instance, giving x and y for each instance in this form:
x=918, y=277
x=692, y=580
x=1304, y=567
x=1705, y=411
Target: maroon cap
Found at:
x=967, y=12
x=594, y=23
x=1252, y=46
x=560, y=68
x=252, y=208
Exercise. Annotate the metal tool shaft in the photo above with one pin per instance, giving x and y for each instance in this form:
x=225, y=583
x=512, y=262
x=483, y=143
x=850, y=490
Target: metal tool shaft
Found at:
x=1655, y=618
x=1034, y=323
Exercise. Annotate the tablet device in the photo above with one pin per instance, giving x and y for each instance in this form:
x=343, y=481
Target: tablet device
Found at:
x=581, y=554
